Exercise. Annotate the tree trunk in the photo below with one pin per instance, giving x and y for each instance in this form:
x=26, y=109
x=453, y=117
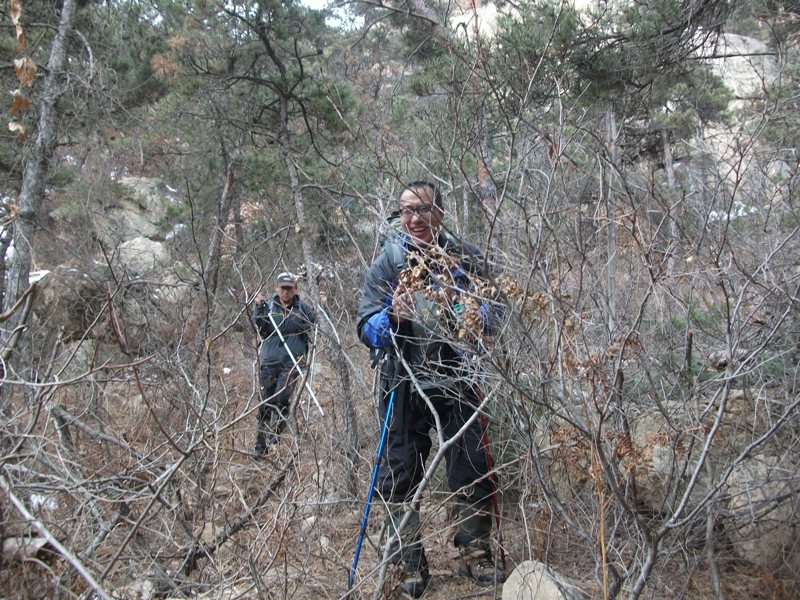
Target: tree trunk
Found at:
x=611, y=215
x=333, y=349
x=37, y=161
x=221, y=220
x=199, y=314
x=487, y=190
x=672, y=223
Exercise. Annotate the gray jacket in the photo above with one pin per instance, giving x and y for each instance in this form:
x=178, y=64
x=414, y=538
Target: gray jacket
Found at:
x=428, y=346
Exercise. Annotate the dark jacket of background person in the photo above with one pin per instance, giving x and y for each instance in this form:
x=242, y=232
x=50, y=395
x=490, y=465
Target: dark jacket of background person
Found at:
x=295, y=324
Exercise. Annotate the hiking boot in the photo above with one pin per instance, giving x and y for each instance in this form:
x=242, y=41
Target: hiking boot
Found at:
x=415, y=583
x=265, y=441
x=472, y=541
x=477, y=563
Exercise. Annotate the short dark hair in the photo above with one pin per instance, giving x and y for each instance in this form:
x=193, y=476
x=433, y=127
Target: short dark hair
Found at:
x=437, y=195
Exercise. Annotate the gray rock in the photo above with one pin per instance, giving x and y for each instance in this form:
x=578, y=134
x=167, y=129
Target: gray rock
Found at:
x=533, y=580
x=137, y=211
x=141, y=589
x=668, y=446
x=660, y=463
x=70, y=300
x=142, y=255
x=748, y=66
x=764, y=501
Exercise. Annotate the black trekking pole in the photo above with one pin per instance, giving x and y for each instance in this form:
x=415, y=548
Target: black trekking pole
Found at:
x=378, y=457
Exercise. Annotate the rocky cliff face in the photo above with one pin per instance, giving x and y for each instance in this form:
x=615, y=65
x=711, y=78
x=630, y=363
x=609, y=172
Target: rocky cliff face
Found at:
x=748, y=67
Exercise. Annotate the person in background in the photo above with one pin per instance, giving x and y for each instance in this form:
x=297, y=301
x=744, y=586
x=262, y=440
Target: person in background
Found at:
x=417, y=363
x=284, y=324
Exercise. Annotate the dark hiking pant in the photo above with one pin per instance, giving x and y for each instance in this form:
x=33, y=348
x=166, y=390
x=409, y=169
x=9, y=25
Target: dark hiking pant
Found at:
x=409, y=443
x=277, y=384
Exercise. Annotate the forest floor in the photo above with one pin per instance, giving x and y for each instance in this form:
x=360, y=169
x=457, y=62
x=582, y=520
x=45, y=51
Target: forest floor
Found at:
x=284, y=527
x=301, y=528
x=302, y=540
x=316, y=553
x=321, y=544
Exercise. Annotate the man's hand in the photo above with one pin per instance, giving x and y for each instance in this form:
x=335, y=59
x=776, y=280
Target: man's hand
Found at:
x=402, y=304
x=259, y=298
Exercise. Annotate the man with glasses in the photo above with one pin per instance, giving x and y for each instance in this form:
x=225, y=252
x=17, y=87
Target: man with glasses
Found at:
x=284, y=324
x=402, y=316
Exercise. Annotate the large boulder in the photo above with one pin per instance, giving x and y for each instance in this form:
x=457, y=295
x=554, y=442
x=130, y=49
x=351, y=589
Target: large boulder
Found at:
x=69, y=300
x=565, y=459
x=533, y=580
x=660, y=453
x=142, y=255
x=748, y=65
x=764, y=499
x=137, y=210
x=667, y=443
x=76, y=304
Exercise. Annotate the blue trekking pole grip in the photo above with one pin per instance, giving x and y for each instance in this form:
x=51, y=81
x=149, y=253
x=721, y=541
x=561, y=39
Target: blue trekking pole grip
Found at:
x=378, y=457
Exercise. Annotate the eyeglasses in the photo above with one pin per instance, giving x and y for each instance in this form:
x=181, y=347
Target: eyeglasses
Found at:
x=423, y=210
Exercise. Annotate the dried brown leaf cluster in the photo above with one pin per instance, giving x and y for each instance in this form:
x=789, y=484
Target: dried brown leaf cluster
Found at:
x=571, y=444
x=528, y=303
x=593, y=367
x=631, y=457
x=15, y=11
x=24, y=69
x=573, y=449
x=609, y=354
x=432, y=274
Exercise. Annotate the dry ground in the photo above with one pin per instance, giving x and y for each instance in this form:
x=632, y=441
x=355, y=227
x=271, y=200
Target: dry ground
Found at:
x=299, y=528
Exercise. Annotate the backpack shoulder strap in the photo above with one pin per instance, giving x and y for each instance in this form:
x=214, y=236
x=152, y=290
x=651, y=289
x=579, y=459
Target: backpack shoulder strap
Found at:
x=396, y=252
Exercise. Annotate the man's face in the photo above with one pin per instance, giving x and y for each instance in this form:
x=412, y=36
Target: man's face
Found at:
x=419, y=216
x=286, y=293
